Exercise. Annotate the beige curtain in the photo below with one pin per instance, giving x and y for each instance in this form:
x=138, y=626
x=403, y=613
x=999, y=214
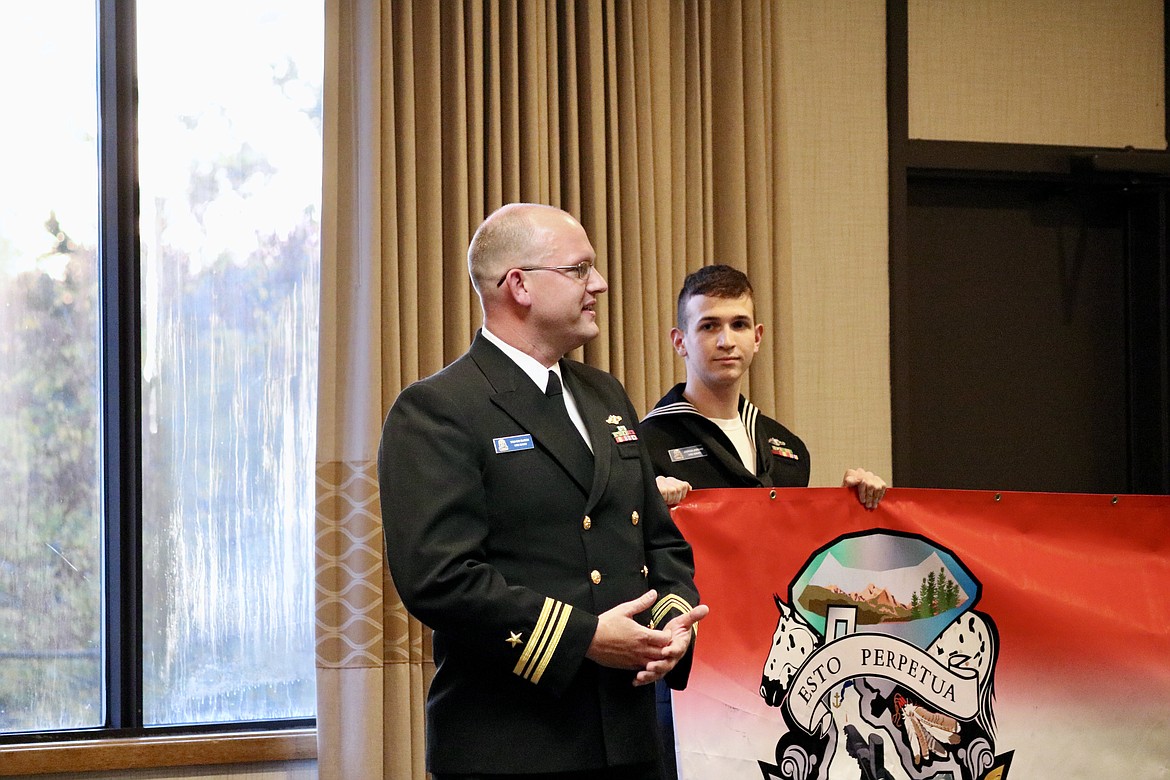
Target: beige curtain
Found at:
x=654, y=122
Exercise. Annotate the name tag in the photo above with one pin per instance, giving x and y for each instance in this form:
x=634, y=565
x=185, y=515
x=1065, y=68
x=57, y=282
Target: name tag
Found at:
x=686, y=453
x=513, y=443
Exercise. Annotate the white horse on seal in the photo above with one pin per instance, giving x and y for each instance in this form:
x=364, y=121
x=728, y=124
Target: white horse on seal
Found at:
x=792, y=643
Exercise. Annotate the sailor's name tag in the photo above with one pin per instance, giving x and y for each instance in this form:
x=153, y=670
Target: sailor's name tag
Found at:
x=513, y=443
x=686, y=453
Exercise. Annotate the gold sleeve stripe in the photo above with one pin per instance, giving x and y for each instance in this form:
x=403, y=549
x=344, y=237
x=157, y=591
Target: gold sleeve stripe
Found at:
x=549, y=636
x=552, y=646
x=541, y=635
x=546, y=635
x=664, y=605
x=540, y=621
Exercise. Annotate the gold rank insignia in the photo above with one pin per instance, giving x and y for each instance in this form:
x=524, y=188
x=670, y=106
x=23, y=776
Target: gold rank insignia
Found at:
x=613, y=419
x=661, y=612
x=546, y=636
x=514, y=639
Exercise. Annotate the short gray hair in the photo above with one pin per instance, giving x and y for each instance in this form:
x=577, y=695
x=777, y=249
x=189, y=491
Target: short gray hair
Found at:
x=500, y=243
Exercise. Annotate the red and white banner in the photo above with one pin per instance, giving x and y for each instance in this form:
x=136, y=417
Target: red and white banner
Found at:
x=947, y=635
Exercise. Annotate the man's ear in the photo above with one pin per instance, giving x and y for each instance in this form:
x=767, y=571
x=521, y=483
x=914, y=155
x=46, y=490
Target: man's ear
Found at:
x=515, y=288
x=676, y=339
x=759, y=335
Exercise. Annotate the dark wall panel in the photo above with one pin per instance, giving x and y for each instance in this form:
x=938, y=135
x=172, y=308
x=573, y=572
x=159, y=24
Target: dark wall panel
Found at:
x=1011, y=332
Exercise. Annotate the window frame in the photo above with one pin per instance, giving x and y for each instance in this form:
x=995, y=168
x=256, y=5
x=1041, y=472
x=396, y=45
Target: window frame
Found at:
x=119, y=256
x=124, y=741
x=153, y=752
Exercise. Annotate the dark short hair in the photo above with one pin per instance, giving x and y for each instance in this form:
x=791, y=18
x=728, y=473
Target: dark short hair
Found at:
x=715, y=281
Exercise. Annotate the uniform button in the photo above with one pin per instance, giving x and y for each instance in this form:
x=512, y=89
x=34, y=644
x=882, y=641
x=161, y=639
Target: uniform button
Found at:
x=586, y=523
x=634, y=517
x=595, y=575
x=645, y=572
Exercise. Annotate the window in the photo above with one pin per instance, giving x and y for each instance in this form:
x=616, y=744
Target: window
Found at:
x=158, y=368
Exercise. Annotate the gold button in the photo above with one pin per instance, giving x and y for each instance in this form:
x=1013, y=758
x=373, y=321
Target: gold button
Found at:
x=586, y=523
x=596, y=577
x=645, y=572
x=634, y=517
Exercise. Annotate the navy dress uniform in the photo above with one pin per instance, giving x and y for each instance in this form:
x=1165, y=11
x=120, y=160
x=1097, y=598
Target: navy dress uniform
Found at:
x=686, y=445
x=508, y=537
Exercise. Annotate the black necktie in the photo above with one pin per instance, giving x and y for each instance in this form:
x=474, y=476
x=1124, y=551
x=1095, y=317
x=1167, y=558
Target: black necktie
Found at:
x=583, y=457
x=554, y=389
x=556, y=395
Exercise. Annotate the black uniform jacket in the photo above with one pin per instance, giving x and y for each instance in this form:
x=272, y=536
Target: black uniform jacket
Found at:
x=505, y=536
x=686, y=445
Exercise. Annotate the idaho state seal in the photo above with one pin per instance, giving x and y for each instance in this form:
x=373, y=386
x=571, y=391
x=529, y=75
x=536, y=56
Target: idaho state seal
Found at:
x=879, y=661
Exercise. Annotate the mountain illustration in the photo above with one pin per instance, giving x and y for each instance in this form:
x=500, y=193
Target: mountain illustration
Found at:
x=890, y=601
x=874, y=604
x=879, y=596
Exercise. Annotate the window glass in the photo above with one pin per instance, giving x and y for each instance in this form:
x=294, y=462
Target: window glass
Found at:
x=230, y=172
x=50, y=550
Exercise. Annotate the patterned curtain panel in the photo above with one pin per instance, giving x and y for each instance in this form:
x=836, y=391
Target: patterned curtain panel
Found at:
x=656, y=123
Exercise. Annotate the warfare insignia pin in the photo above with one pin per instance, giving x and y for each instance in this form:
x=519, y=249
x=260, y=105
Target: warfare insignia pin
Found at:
x=613, y=419
x=778, y=448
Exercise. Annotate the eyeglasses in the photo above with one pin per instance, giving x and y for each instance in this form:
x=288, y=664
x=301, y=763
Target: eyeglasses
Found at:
x=581, y=270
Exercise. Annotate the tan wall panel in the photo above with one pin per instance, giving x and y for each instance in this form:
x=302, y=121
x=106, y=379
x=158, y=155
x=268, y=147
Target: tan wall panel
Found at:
x=833, y=125
x=1085, y=73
